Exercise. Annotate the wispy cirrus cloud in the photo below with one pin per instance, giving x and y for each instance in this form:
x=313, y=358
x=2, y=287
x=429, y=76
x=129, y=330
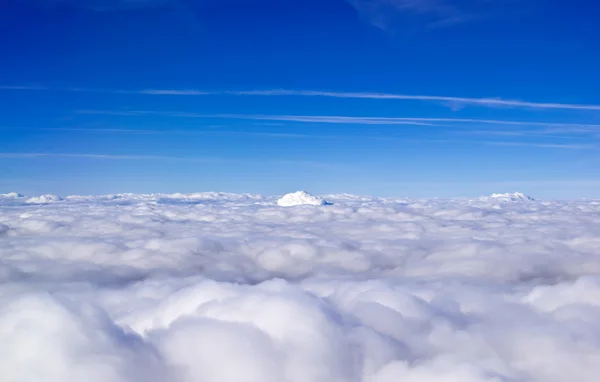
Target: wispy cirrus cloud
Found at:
x=338, y=137
x=99, y=5
x=384, y=13
x=494, y=102
x=541, y=145
x=174, y=92
x=410, y=14
x=278, y=118
x=23, y=87
x=182, y=132
x=38, y=155
x=252, y=134
x=452, y=101
x=546, y=133
x=552, y=127
x=463, y=126
x=17, y=155
x=419, y=121
x=448, y=100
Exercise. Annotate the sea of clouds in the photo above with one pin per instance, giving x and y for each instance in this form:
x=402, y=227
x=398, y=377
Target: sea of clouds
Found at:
x=216, y=287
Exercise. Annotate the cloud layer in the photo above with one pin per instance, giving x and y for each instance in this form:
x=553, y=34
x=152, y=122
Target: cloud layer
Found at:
x=226, y=287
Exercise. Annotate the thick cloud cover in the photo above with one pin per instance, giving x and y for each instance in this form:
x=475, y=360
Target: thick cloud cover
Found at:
x=214, y=287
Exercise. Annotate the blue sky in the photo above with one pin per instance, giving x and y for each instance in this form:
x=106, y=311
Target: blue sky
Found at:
x=402, y=97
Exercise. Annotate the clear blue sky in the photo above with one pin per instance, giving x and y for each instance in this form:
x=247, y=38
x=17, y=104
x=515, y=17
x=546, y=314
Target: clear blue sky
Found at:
x=271, y=96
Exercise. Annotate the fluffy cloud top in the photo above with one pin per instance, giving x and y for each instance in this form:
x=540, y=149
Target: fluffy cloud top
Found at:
x=43, y=199
x=512, y=197
x=219, y=287
x=300, y=198
x=11, y=195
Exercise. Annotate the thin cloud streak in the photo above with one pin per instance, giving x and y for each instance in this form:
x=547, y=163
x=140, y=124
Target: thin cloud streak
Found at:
x=230, y=133
x=489, y=102
x=461, y=100
x=175, y=92
x=22, y=87
x=386, y=14
x=415, y=121
x=101, y=156
x=540, y=145
x=423, y=121
x=271, y=135
x=549, y=133
x=12, y=155
x=178, y=132
x=453, y=100
x=512, y=123
x=282, y=118
x=327, y=119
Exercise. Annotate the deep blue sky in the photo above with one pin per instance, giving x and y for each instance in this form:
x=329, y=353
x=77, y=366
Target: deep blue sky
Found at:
x=105, y=96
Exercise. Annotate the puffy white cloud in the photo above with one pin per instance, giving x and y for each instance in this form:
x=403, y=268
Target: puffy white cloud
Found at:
x=12, y=195
x=221, y=287
x=43, y=199
x=511, y=197
x=300, y=198
x=46, y=339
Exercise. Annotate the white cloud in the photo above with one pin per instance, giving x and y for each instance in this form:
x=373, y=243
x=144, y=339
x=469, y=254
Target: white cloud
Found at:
x=167, y=158
x=45, y=338
x=510, y=197
x=94, y=156
x=411, y=15
x=553, y=127
x=225, y=287
x=43, y=199
x=173, y=92
x=100, y=5
x=452, y=124
x=11, y=195
x=453, y=101
x=325, y=119
x=300, y=198
x=541, y=145
x=489, y=102
x=422, y=121
x=22, y=87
